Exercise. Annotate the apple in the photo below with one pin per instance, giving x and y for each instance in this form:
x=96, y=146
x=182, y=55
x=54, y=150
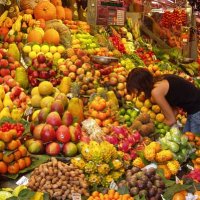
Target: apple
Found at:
x=85, y=139
x=36, y=147
x=67, y=118
x=54, y=119
x=37, y=131
x=70, y=149
x=75, y=132
x=44, y=74
x=62, y=134
x=42, y=116
x=78, y=63
x=53, y=149
x=48, y=133
x=41, y=58
x=57, y=106
x=80, y=145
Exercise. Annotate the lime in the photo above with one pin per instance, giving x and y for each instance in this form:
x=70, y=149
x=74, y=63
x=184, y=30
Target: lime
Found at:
x=167, y=128
x=129, y=111
x=122, y=111
x=128, y=123
x=156, y=123
x=160, y=126
x=162, y=131
x=127, y=117
x=134, y=114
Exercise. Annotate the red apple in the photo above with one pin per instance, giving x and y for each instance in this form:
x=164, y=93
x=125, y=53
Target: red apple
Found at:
x=41, y=58
x=67, y=118
x=75, y=132
x=3, y=63
x=85, y=139
x=16, y=91
x=54, y=119
x=78, y=63
x=36, y=147
x=57, y=106
x=69, y=149
x=42, y=116
x=62, y=134
x=37, y=131
x=53, y=149
x=4, y=72
x=48, y=133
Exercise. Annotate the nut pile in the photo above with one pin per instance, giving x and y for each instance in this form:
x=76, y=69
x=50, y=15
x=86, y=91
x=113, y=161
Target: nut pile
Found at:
x=58, y=179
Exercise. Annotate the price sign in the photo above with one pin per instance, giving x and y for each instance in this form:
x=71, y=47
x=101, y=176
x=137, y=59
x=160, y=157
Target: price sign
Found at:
x=113, y=185
x=76, y=196
x=22, y=181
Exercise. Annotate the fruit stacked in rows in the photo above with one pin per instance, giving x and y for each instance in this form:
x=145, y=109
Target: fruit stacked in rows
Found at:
x=75, y=26
x=111, y=194
x=194, y=140
x=55, y=124
x=7, y=64
x=101, y=111
x=50, y=51
x=124, y=140
x=13, y=154
x=127, y=116
x=145, y=183
x=177, y=143
x=101, y=163
x=177, y=18
x=42, y=69
x=59, y=180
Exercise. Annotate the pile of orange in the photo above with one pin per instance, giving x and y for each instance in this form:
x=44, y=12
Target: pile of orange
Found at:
x=100, y=110
x=111, y=195
x=13, y=155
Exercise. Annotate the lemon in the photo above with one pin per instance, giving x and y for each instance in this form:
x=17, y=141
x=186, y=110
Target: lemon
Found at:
x=44, y=48
x=53, y=49
x=49, y=55
x=27, y=49
x=56, y=56
x=35, y=100
x=45, y=88
x=156, y=108
x=60, y=49
x=36, y=48
x=46, y=101
x=34, y=91
x=32, y=54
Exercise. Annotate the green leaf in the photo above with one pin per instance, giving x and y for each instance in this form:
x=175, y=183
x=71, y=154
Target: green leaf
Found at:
x=123, y=190
x=26, y=194
x=137, y=197
x=36, y=161
x=170, y=191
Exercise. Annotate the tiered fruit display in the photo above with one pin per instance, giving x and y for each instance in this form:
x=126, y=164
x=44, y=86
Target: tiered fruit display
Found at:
x=177, y=143
x=51, y=52
x=125, y=140
x=14, y=155
x=42, y=69
x=101, y=163
x=110, y=194
x=76, y=26
x=58, y=179
x=145, y=183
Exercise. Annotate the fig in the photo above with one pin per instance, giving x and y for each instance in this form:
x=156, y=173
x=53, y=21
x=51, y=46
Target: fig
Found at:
x=142, y=193
x=152, y=198
x=141, y=184
x=149, y=184
x=144, y=178
x=134, y=191
x=151, y=172
x=139, y=174
x=157, y=177
x=151, y=192
x=135, y=170
x=159, y=184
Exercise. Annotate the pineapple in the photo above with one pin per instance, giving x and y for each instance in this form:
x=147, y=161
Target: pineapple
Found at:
x=173, y=166
x=103, y=169
x=117, y=164
x=163, y=156
x=94, y=179
x=78, y=162
x=90, y=167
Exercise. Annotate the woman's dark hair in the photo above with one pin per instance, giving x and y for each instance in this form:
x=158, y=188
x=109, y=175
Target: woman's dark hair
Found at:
x=140, y=79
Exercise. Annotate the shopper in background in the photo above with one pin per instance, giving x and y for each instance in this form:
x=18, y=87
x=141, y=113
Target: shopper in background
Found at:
x=169, y=92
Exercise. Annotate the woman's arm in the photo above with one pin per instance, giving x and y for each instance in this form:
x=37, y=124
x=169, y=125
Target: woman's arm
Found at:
x=158, y=94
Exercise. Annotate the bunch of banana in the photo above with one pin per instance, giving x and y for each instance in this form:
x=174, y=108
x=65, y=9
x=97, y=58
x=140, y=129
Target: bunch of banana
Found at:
x=27, y=17
x=191, y=68
x=17, y=25
x=3, y=17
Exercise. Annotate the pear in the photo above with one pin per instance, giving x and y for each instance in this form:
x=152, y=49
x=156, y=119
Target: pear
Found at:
x=7, y=102
x=5, y=113
x=2, y=92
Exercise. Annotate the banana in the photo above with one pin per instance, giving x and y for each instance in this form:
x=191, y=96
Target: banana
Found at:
x=3, y=17
x=17, y=25
x=27, y=17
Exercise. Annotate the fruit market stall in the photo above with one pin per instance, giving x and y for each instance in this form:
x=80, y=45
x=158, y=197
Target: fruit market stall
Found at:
x=68, y=127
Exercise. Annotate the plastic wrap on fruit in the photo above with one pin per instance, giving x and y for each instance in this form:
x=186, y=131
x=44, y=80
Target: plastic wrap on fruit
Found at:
x=93, y=129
